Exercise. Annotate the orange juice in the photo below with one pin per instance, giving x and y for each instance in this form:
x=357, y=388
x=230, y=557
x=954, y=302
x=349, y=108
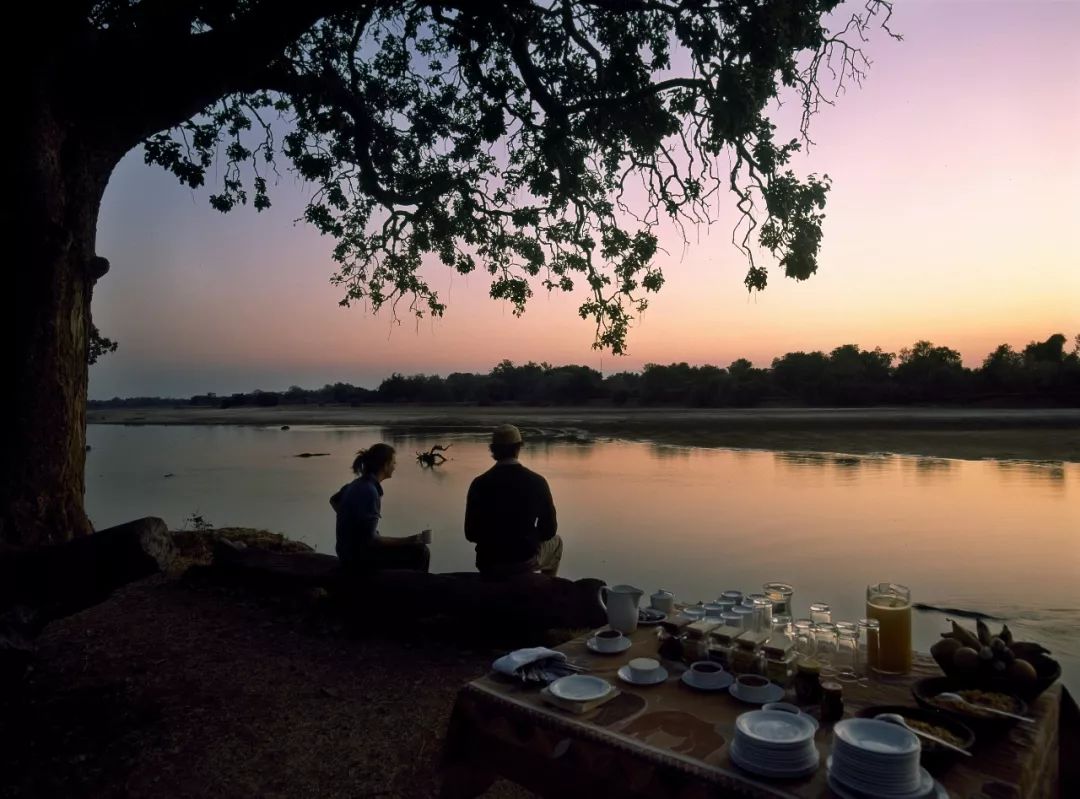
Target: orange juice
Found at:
x=890, y=604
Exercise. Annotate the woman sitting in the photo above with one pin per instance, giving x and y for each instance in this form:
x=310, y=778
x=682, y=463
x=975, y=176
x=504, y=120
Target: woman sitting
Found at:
x=359, y=507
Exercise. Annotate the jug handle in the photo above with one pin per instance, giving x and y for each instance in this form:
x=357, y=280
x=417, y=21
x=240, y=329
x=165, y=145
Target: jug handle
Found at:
x=600, y=596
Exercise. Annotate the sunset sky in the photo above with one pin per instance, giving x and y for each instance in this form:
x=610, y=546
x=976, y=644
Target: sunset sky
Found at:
x=953, y=217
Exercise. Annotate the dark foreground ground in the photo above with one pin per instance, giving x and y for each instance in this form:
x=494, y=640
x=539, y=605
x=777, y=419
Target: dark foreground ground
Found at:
x=173, y=689
x=1025, y=434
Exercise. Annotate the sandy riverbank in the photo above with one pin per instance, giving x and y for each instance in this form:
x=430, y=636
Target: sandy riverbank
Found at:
x=1025, y=434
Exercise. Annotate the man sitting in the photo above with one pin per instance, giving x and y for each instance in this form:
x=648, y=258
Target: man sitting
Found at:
x=510, y=515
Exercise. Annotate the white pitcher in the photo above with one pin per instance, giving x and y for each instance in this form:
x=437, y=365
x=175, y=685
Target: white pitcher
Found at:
x=622, y=606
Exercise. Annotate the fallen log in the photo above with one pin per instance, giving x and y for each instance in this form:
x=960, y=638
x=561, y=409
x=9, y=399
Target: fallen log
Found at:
x=64, y=579
x=531, y=601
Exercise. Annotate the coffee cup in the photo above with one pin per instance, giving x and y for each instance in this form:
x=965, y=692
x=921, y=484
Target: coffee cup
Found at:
x=643, y=668
x=425, y=536
x=608, y=640
x=662, y=600
x=707, y=673
x=752, y=687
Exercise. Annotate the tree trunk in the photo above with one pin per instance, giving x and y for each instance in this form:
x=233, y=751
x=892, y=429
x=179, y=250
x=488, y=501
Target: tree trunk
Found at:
x=56, y=179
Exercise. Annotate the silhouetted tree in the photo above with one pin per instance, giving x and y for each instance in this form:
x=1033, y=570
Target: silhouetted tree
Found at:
x=494, y=134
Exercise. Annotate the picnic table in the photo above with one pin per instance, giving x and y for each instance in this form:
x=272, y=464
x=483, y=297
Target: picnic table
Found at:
x=669, y=740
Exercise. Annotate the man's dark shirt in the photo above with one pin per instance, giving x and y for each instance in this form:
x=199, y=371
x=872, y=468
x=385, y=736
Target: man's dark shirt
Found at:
x=509, y=511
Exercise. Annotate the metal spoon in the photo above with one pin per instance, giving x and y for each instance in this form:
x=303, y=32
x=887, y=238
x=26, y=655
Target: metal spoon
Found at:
x=949, y=696
x=896, y=718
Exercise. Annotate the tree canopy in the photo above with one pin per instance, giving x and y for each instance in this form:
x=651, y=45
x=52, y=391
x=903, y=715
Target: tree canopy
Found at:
x=541, y=142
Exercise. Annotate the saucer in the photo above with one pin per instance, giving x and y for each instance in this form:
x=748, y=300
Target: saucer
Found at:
x=768, y=693
x=723, y=684
x=658, y=677
x=624, y=644
x=580, y=688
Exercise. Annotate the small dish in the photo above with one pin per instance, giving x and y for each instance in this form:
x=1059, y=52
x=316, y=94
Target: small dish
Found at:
x=649, y=616
x=722, y=683
x=932, y=754
x=580, y=688
x=620, y=646
x=757, y=695
x=925, y=690
x=656, y=677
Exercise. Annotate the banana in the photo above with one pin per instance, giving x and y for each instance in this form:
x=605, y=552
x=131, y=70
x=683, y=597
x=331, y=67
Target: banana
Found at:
x=966, y=637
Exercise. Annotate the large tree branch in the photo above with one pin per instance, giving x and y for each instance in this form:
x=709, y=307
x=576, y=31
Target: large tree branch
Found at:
x=136, y=84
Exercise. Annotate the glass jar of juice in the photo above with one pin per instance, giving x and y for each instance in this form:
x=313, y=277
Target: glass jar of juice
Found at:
x=890, y=604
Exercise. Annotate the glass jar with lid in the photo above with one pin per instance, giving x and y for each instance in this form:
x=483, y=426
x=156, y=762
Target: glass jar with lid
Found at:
x=778, y=653
x=721, y=642
x=745, y=655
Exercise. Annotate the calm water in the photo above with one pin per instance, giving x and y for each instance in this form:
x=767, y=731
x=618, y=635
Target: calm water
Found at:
x=999, y=537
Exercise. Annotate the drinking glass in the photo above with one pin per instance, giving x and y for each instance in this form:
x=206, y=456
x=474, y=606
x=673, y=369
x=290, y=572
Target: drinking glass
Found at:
x=804, y=636
x=868, y=631
x=780, y=594
x=781, y=623
x=748, y=599
x=734, y=596
x=762, y=610
x=746, y=614
x=825, y=642
x=846, y=662
x=820, y=613
x=890, y=604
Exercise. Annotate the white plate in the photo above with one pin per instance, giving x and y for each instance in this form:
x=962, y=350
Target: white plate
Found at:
x=775, y=728
x=649, y=622
x=844, y=792
x=763, y=770
x=580, y=688
x=624, y=644
x=877, y=737
x=658, y=677
x=721, y=685
x=769, y=693
x=927, y=787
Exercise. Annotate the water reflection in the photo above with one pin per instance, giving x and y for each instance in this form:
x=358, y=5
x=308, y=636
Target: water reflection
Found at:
x=976, y=534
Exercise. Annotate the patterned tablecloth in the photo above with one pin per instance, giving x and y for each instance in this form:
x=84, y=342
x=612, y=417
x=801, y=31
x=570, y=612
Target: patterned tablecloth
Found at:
x=672, y=741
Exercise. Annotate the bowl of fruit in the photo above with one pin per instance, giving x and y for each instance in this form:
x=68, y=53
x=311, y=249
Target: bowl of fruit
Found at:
x=991, y=662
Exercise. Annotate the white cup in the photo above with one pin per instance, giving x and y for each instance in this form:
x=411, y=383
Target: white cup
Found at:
x=752, y=687
x=425, y=536
x=707, y=673
x=643, y=668
x=608, y=640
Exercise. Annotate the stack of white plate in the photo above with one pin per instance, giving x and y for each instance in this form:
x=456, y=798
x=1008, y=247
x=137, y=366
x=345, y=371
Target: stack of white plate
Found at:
x=876, y=758
x=775, y=744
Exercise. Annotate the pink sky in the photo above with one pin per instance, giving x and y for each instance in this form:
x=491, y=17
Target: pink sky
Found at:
x=954, y=204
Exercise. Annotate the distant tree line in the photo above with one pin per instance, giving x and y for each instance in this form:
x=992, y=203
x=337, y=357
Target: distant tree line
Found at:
x=1042, y=373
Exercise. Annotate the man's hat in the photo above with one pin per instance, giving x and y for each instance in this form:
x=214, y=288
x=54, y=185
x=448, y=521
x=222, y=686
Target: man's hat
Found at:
x=506, y=434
